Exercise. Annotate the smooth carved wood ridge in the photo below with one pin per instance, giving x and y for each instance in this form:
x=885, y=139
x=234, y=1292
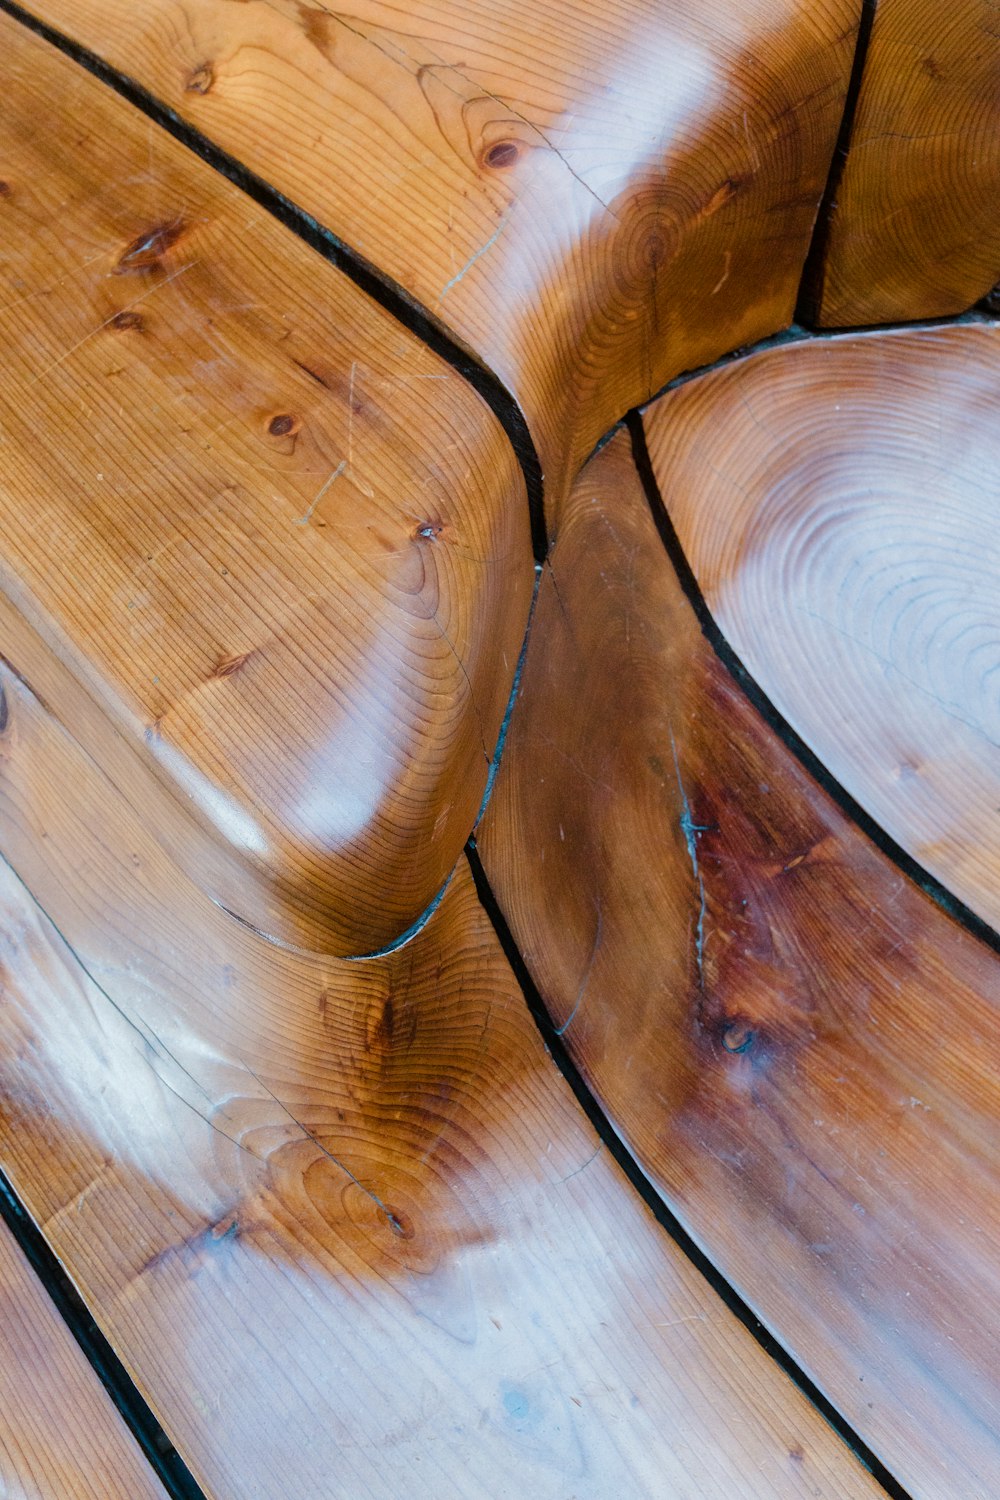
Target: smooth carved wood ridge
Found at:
x=344, y=1221
x=284, y=547
x=914, y=231
x=60, y=1436
x=798, y=1044
x=838, y=502
x=592, y=197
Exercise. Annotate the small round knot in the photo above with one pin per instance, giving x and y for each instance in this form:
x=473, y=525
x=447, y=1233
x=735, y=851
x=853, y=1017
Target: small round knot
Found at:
x=502, y=154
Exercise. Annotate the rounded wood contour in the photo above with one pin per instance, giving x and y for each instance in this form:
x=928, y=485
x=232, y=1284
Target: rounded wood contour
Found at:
x=799, y=1046
x=282, y=547
x=345, y=1222
x=914, y=231
x=591, y=196
x=838, y=502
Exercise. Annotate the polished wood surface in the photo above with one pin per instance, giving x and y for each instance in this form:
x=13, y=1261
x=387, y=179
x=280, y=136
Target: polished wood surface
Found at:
x=591, y=196
x=914, y=230
x=838, y=503
x=284, y=547
x=799, y=1046
x=344, y=1222
x=60, y=1436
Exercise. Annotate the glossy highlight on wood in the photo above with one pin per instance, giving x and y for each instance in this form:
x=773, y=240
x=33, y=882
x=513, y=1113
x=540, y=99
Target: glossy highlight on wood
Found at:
x=914, y=228
x=838, y=503
x=344, y=1222
x=283, y=547
x=796, y=1043
x=591, y=197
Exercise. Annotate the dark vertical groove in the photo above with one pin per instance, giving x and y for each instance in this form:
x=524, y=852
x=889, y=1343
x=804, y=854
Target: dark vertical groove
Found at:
x=170, y=1469
x=813, y=272
x=664, y=1215
x=914, y=871
x=388, y=294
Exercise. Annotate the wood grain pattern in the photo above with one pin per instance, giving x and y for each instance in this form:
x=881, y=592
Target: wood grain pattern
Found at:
x=344, y=1221
x=60, y=1436
x=285, y=547
x=914, y=231
x=797, y=1043
x=592, y=197
x=838, y=503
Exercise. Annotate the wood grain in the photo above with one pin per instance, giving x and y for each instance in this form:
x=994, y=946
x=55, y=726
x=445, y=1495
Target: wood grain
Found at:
x=60, y=1436
x=797, y=1043
x=592, y=197
x=284, y=547
x=914, y=230
x=838, y=503
x=344, y=1222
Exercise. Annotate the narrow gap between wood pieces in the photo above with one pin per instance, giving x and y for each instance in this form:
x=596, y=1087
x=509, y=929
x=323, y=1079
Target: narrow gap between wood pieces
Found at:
x=373, y=282
x=171, y=1470
x=813, y=271
x=911, y=868
x=653, y=1200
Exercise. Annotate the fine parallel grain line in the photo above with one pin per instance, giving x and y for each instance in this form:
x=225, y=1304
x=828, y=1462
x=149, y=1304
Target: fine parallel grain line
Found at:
x=365, y=275
x=552, y=1035
x=914, y=871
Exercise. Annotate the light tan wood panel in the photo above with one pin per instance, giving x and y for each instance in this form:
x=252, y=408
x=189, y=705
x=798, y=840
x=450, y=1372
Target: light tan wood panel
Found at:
x=838, y=502
x=60, y=1436
x=344, y=1221
x=592, y=196
x=284, y=546
x=914, y=230
x=799, y=1045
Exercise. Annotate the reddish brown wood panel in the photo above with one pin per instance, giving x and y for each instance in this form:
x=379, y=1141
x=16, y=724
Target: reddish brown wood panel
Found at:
x=797, y=1043
x=60, y=1436
x=283, y=546
x=591, y=196
x=838, y=503
x=914, y=229
x=344, y=1221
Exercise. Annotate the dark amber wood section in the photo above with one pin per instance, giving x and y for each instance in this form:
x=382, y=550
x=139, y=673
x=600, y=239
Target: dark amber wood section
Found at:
x=914, y=228
x=797, y=1043
x=284, y=547
x=592, y=197
x=344, y=1221
x=60, y=1436
x=838, y=502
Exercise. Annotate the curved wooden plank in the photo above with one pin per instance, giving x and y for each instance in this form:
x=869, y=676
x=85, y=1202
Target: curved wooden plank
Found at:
x=60, y=1436
x=344, y=1221
x=838, y=503
x=592, y=197
x=797, y=1043
x=914, y=230
x=285, y=548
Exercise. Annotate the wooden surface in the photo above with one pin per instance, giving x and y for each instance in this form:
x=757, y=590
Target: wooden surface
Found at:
x=838, y=503
x=60, y=1436
x=591, y=196
x=284, y=546
x=914, y=231
x=344, y=1222
x=797, y=1044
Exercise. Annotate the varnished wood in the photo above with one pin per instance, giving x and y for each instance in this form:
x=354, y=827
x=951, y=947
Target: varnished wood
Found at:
x=60, y=1436
x=344, y=1221
x=838, y=502
x=592, y=196
x=283, y=547
x=797, y=1043
x=914, y=229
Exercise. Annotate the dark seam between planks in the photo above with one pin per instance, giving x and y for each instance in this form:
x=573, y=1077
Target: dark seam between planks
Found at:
x=171, y=1470
x=922, y=878
x=365, y=275
x=654, y=1201
x=814, y=267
